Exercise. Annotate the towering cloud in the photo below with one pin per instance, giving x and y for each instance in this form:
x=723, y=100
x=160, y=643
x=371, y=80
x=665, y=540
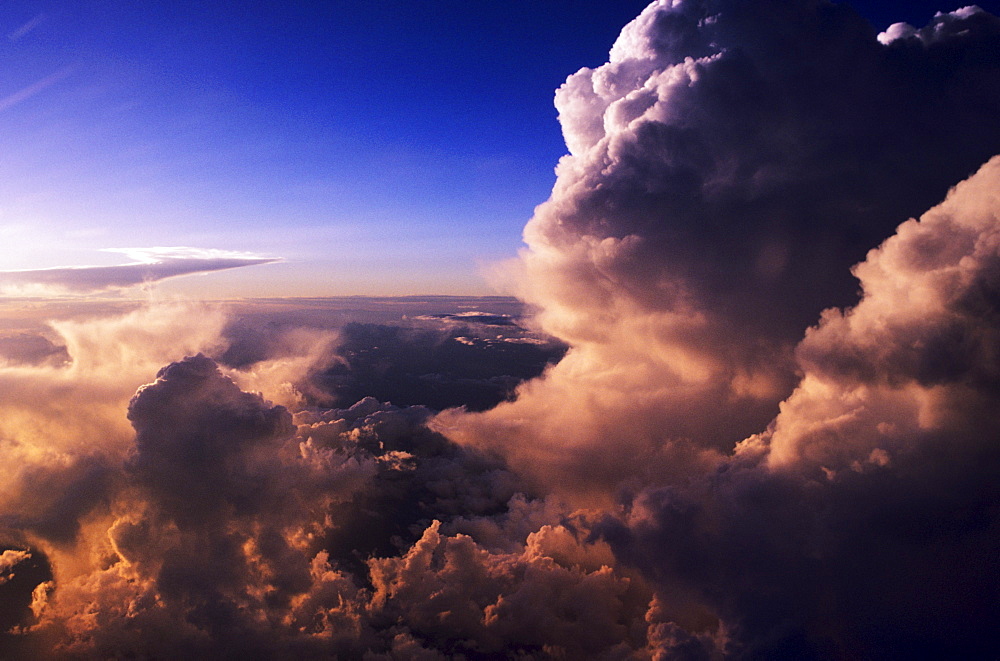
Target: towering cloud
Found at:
x=728, y=165
x=864, y=521
x=742, y=455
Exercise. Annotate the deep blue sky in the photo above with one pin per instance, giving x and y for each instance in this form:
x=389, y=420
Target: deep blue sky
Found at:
x=379, y=147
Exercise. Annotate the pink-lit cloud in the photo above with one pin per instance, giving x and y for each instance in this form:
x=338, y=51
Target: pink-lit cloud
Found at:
x=728, y=166
x=150, y=265
x=34, y=88
x=741, y=455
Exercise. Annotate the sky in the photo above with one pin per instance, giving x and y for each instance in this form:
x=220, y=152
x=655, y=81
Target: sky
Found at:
x=394, y=148
x=742, y=405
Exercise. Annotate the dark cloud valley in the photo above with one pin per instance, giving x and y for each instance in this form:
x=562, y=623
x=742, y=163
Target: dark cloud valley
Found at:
x=745, y=407
x=439, y=360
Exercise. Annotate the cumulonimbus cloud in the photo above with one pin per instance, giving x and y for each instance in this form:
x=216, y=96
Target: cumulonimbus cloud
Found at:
x=728, y=165
x=150, y=265
x=877, y=476
x=718, y=468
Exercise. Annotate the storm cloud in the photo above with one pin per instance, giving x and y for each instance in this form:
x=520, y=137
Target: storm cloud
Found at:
x=862, y=523
x=774, y=254
x=728, y=165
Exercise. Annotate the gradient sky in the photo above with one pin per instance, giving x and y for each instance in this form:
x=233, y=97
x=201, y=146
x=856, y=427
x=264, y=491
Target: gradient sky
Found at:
x=763, y=424
x=377, y=148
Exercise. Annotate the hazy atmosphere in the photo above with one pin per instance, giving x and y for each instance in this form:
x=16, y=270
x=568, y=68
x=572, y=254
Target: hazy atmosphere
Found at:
x=325, y=335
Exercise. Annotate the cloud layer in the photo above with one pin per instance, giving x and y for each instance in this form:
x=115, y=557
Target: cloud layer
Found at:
x=740, y=456
x=151, y=264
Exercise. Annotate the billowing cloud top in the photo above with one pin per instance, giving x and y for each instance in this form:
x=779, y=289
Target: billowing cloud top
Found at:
x=728, y=165
x=741, y=456
x=150, y=265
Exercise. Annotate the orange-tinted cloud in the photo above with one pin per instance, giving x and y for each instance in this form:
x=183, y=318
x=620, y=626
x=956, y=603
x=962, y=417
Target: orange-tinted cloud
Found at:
x=728, y=166
x=717, y=469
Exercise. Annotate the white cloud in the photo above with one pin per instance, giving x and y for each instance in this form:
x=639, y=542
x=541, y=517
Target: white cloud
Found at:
x=150, y=265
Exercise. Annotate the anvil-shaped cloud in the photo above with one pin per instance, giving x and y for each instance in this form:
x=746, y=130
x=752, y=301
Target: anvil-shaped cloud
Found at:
x=149, y=265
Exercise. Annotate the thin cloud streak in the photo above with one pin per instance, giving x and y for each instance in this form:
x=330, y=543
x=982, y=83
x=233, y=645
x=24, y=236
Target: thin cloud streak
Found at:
x=20, y=32
x=151, y=265
x=31, y=90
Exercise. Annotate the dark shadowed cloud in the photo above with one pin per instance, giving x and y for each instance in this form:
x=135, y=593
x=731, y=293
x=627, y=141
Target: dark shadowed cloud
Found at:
x=26, y=348
x=774, y=255
x=470, y=358
x=862, y=523
x=728, y=165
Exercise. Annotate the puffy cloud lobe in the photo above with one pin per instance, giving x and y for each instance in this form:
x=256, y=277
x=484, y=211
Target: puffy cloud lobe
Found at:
x=943, y=27
x=208, y=541
x=31, y=349
x=235, y=532
x=467, y=600
x=63, y=428
x=863, y=522
x=8, y=559
x=195, y=434
x=204, y=495
x=918, y=353
x=860, y=524
x=728, y=165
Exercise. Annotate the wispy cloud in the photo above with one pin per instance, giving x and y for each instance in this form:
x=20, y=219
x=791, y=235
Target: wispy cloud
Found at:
x=34, y=88
x=25, y=28
x=148, y=265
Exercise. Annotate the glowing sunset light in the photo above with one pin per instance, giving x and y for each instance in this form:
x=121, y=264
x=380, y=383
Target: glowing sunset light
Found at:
x=306, y=352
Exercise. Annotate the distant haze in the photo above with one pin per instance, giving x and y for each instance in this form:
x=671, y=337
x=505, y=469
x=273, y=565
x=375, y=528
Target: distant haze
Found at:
x=743, y=406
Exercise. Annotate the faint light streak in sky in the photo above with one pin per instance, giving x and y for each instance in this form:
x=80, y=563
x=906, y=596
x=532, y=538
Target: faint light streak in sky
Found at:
x=27, y=27
x=31, y=90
